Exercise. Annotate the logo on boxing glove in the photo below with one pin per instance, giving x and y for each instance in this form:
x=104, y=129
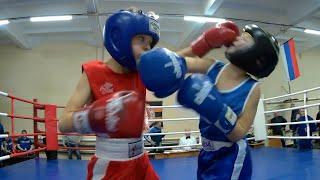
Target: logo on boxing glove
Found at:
x=112, y=110
x=203, y=92
x=175, y=63
x=227, y=122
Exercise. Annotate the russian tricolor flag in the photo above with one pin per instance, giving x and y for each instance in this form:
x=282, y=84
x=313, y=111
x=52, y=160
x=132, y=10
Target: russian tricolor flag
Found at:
x=288, y=54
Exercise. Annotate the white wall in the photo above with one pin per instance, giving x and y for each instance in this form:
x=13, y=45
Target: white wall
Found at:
x=50, y=73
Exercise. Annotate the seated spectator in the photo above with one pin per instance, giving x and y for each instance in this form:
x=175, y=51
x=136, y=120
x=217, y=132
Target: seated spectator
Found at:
x=187, y=140
x=6, y=145
x=74, y=142
x=318, y=125
x=1, y=132
x=155, y=140
x=318, y=118
x=301, y=130
x=24, y=143
x=148, y=114
x=279, y=129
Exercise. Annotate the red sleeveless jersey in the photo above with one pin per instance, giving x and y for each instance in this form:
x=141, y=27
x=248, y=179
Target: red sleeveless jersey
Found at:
x=103, y=81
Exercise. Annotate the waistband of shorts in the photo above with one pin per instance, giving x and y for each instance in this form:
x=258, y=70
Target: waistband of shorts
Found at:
x=210, y=145
x=122, y=149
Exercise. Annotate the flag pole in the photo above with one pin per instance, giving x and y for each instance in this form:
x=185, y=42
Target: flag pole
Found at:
x=289, y=86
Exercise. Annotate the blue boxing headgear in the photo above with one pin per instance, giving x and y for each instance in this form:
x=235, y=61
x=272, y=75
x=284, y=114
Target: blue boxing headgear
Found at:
x=119, y=30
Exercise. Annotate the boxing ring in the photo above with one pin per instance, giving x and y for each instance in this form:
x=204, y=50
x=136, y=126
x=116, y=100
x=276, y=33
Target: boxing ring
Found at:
x=268, y=163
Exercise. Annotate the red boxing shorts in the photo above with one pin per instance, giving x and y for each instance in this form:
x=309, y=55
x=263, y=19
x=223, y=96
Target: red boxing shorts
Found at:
x=118, y=159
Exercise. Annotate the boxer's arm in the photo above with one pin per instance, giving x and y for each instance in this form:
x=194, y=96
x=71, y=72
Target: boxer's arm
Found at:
x=80, y=97
x=195, y=64
x=198, y=65
x=245, y=121
x=19, y=147
x=3, y=146
x=186, y=52
x=6, y=150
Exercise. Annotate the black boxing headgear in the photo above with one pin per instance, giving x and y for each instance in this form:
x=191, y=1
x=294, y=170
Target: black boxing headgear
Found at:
x=261, y=58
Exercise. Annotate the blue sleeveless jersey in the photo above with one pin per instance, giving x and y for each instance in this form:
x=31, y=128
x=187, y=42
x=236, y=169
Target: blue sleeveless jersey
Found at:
x=226, y=160
x=235, y=98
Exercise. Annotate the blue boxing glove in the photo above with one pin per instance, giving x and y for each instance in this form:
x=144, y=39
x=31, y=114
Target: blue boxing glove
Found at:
x=198, y=93
x=162, y=71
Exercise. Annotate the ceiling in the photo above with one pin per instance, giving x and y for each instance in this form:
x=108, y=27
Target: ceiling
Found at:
x=285, y=19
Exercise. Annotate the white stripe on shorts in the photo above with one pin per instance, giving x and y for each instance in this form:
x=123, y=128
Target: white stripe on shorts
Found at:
x=100, y=169
x=238, y=164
